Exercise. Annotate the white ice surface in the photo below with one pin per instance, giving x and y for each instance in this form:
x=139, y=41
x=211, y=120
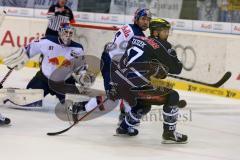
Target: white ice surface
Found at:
x=213, y=129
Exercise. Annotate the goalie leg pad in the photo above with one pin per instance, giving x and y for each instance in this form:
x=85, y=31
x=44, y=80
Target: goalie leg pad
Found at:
x=21, y=96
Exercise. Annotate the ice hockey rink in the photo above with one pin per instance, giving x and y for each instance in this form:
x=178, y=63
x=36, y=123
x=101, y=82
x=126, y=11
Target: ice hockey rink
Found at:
x=211, y=123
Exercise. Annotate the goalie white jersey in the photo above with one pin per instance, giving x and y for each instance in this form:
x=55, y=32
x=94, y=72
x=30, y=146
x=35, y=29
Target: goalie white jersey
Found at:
x=54, y=53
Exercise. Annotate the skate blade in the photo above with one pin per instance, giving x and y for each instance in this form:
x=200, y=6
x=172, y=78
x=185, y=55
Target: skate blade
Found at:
x=123, y=135
x=5, y=125
x=172, y=142
x=137, y=125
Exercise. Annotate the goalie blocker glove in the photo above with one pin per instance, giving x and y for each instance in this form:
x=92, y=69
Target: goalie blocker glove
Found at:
x=17, y=60
x=84, y=78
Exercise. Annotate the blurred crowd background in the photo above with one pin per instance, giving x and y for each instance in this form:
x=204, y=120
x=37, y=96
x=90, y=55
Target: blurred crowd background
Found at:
x=206, y=10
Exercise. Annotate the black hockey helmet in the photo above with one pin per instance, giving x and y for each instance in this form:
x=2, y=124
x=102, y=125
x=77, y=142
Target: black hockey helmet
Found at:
x=158, y=23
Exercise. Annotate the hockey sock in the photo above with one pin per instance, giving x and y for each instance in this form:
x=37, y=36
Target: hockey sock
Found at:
x=170, y=115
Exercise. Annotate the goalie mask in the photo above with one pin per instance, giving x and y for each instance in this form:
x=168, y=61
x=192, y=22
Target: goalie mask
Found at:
x=66, y=33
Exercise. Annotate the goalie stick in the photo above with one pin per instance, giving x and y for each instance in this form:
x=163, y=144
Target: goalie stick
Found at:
x=2, y=16
x=5, y=77
x=219, y=83
x=29, y=105
x=65, y=130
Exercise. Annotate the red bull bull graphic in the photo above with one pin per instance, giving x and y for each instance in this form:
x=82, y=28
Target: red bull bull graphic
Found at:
x=59, y=61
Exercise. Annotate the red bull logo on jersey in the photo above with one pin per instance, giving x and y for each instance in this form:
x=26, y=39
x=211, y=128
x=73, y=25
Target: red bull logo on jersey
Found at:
x=59, y=61
x=126, y=31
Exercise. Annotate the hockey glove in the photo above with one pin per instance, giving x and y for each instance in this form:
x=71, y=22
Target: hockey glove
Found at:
x=84, y=78
x=161, y=71
x=16, y=60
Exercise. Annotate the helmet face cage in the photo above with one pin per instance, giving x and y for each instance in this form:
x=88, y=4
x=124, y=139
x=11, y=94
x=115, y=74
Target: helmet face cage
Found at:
x=141, y=13
x=66, y=33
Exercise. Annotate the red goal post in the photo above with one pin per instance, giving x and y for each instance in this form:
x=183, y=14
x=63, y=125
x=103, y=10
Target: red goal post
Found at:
x=94, y=37
x=90, y=26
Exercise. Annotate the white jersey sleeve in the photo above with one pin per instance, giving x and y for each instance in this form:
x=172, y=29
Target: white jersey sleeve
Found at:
x=34, y=48
x=119, y=43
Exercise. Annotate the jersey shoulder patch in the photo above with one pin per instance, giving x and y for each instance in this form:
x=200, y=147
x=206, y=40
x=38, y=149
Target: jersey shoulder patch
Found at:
x=127, y=31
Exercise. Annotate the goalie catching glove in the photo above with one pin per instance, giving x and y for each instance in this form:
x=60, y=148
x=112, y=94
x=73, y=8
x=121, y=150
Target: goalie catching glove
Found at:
x=84, y=78
x=17, y=60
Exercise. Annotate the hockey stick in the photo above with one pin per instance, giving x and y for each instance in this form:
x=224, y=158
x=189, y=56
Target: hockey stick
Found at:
x=5, y=77
x=225, y=77
x=29, y=105
x=2, y=16
x=65, y=130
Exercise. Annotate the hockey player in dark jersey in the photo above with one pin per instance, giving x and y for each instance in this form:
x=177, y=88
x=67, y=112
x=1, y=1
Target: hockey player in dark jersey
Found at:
x=116, y=49
x=142, y=18
x=146, y=57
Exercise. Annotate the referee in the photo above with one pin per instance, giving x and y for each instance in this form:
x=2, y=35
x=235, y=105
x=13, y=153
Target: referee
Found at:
x=57, y=14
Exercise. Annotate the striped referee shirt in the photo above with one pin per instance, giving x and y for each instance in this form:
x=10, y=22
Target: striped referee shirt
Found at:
x=59, y=16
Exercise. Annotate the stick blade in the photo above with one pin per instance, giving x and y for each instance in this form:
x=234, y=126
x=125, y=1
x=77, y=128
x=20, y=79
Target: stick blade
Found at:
x=57, y=133
x=226, y=76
